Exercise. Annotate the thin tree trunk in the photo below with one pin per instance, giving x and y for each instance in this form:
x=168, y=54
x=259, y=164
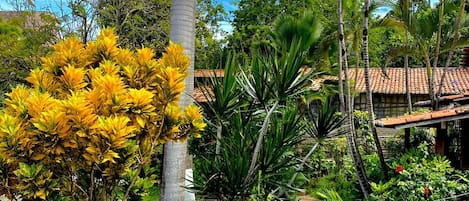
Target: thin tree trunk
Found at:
x=357, y=57
x=219, y=132
x=369, y=101
x=260, y=139
x=453, y=45
x=303, y=163
x=341, y=83
x=431, y=84
x=174, y=162
x=349, y=130
x=407, y=91
x=437, y=49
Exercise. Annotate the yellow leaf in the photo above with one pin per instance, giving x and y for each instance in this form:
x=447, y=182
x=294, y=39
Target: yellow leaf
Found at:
x=193, y=112
x=41, y=194
x=140, y=121
x=38, y=157
x=109, y=156
x=91, y=150
x=71, y=144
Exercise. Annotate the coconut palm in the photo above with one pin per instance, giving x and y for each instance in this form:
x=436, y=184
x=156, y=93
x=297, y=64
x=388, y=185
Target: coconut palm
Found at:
x=369, y=101
x=459, y=21
x=349, y=129
x=182, y=31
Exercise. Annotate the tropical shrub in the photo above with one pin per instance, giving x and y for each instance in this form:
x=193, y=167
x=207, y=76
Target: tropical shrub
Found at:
x=92, y=120
x=420, y=175
x=363, y=132
x=342, y=182
x=418, y=136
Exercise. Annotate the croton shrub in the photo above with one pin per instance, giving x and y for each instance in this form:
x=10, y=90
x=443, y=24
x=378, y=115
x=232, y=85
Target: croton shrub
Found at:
x=88, y=125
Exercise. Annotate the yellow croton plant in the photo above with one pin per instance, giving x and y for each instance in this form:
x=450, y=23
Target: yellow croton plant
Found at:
x=90, y=123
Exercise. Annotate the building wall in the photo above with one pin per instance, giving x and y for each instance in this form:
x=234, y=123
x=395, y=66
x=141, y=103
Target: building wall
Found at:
x=388, y=105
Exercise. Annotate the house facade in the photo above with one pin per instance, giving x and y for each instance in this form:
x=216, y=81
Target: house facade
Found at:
x=389, y=93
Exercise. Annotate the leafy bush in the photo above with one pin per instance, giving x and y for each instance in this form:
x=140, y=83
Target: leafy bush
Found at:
x=363, y=132
x=89, y=126
x=329, y=195
x=418, y=136
x=342, y=182
x=374, y=172
x=421, y=176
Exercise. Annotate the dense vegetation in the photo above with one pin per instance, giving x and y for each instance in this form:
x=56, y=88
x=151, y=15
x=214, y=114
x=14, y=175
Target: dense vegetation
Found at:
x=85, y=118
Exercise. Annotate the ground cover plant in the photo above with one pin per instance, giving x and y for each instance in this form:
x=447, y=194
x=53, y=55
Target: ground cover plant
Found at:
x=420, y=175
x=92, y=120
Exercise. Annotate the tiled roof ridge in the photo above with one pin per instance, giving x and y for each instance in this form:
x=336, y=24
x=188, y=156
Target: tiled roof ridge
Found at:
x=417, y=117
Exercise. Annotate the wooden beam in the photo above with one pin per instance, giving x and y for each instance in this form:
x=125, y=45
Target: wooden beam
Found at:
x=431, y=121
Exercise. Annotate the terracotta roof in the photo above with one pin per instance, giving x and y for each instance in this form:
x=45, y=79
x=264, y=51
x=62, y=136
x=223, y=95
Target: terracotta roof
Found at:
x=442, y=115
x=456, y=82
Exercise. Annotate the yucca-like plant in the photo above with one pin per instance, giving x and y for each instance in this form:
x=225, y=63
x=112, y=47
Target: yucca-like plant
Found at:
x=91, y=121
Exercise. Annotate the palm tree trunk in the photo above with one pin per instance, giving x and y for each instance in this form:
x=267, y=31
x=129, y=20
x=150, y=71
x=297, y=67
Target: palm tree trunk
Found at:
x=431, y=84
x=438, y=41
x=407, y=91
x=349, y=130
x=453, y=45
x=341, y=83
x=407, y=13
x=369, y=101
x=182, y=31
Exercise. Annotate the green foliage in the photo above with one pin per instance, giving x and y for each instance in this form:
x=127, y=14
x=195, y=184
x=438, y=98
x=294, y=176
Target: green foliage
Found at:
x=374, y=172
x=363, y=132
x=323, y=122
x=22, y=45
x=418, y=136
x=252, y=21
x=209, y=37
x=138, y=23
x=287, y=29
x=421, y=170
x=261, y=101
x=329, y=195
x=342, y=182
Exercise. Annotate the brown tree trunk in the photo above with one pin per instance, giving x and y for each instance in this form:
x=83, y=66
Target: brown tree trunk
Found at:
x=453, y=45
x=349, y=129
x=369, y=101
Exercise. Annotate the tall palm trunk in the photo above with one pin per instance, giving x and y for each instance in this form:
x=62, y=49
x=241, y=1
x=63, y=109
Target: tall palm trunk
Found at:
x=437, y=49
x=453, y=44
x=407, y=91
x=406, y=13
x=369, y=101
x=349, y=129
x=182, y=31
x=341, y=83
